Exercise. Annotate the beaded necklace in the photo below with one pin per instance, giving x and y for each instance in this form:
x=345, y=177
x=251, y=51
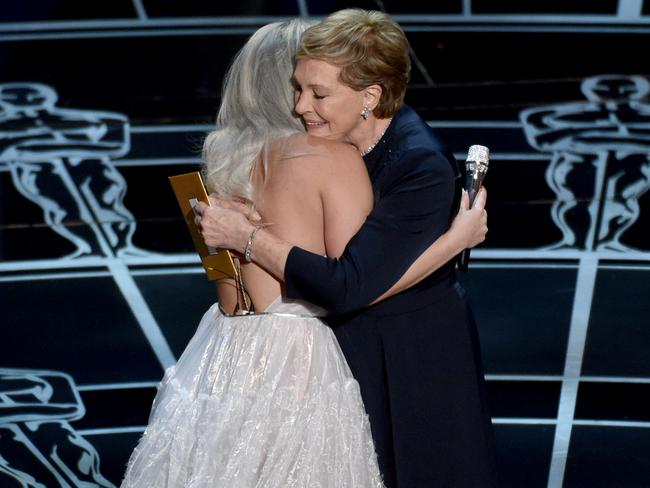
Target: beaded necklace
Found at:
x=366, y=151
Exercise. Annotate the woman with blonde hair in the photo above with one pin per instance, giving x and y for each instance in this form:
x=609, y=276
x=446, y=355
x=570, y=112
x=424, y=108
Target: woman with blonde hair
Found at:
x=416, y=354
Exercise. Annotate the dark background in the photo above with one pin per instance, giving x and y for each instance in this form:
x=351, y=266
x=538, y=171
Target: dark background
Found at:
x=565, y=333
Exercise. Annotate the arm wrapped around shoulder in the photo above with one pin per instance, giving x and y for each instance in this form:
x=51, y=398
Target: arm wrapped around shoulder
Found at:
x=415, y=204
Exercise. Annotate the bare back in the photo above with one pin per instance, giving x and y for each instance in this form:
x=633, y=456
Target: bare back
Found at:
x=316, y=196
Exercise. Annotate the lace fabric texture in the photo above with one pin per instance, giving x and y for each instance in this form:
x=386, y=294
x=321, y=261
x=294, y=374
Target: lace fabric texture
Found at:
x=262, y=401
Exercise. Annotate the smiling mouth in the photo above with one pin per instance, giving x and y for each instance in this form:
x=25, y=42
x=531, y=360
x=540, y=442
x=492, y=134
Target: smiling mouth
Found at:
x=313, y=125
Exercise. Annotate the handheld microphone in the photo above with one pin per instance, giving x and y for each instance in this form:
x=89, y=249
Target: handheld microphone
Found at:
x=476, y=166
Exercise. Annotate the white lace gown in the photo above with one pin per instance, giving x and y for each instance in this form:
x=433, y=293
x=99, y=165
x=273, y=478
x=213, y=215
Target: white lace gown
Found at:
x=263, y=401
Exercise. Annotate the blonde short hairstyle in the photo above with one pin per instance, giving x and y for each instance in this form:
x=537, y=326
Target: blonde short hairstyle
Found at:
x=369, y=47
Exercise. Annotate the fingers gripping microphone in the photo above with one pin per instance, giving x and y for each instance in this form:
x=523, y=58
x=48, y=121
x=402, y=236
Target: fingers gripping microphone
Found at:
x=476, y=168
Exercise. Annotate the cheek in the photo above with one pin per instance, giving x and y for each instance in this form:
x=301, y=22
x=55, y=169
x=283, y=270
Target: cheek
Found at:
x=324, y=111
x=336, y=113
x=348, y=117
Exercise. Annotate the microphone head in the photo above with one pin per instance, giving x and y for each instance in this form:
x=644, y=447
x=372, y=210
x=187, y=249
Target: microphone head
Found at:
x=478, y=154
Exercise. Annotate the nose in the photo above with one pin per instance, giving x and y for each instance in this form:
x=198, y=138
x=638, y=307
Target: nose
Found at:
x=301, y=103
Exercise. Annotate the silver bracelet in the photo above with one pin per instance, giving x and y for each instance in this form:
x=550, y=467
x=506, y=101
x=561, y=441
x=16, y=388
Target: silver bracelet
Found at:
x=248, y=250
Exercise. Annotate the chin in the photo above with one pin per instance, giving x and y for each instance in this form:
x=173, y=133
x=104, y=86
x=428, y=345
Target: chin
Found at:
x=321, y=131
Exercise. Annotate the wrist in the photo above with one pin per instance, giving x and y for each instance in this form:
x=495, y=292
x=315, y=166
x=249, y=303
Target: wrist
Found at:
x=243, y=236
x=455, y=243
x=248, y=250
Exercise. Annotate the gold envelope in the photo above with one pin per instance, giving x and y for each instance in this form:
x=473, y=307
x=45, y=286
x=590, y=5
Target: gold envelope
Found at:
x=189, y=187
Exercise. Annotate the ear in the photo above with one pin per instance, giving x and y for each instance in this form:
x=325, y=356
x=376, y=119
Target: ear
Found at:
x=371, y=96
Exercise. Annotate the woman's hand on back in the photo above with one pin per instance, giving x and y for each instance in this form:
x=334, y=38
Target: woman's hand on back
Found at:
x=225, y=224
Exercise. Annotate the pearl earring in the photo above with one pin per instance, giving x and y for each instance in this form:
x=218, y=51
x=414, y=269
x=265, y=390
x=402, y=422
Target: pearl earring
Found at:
x=365, y=113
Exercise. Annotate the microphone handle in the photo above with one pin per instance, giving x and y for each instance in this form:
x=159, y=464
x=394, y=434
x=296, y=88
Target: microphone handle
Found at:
x=472, y=187
x=463, y=260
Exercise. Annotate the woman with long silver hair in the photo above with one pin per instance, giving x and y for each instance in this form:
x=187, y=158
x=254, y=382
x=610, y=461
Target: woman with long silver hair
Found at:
x=266, y=399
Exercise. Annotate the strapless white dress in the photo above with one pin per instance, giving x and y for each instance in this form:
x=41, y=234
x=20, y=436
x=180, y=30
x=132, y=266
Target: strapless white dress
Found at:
x=263, y=401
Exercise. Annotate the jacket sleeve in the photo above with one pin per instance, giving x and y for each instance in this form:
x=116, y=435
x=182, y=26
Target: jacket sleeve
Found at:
x=413, y=211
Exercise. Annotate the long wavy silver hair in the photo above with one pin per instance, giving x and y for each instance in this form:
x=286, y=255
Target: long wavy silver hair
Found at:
x=257, y=107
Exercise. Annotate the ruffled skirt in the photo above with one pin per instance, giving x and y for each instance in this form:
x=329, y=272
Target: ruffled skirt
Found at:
x=264, y=401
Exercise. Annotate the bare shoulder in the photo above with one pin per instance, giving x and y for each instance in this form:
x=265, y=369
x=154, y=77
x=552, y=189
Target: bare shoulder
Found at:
x=342, y=152
x=315, y=154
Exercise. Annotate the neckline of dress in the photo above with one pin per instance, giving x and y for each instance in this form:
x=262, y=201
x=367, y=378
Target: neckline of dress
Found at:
x=374, y=156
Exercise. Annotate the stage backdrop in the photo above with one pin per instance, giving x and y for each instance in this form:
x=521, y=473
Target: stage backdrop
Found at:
x=100, y=289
